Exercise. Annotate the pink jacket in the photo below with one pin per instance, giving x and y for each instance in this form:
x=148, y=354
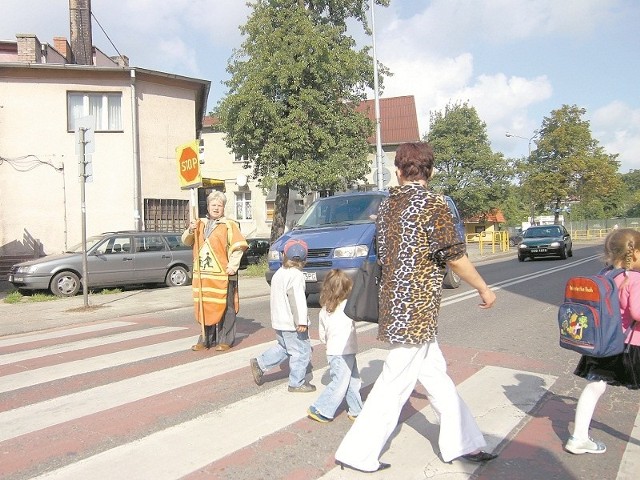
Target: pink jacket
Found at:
x=629, y=290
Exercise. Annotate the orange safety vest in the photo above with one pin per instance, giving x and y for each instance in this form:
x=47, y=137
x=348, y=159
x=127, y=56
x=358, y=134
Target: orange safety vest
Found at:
x=210, y=280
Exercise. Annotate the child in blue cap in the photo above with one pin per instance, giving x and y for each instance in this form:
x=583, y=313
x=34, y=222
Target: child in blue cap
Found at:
x=290, y=320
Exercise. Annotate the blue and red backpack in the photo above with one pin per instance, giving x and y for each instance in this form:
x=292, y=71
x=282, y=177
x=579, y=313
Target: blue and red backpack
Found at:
x=589, y=318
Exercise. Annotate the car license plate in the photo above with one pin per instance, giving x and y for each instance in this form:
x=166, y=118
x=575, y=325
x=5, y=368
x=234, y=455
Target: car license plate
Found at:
x=538, y=250
x=310, y=276
x=15, y=279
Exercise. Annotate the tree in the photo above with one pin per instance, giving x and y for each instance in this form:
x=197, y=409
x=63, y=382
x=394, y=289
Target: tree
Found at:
x=290, y=109
x=568, y=164
x=467, y=170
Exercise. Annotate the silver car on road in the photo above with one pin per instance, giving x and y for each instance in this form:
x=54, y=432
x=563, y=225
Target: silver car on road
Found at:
x=114, y=259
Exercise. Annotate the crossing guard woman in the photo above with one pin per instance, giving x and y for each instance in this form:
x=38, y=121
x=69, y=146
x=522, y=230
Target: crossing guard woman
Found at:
x=218, y=245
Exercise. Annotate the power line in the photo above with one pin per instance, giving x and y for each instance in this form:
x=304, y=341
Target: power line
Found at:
x=105, y=34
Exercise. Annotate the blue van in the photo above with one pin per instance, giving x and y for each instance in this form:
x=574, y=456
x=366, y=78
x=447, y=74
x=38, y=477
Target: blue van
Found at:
x=340, y=233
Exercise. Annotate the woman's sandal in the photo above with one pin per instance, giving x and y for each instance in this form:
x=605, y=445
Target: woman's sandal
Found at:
x=481, y=456
x=381, y=466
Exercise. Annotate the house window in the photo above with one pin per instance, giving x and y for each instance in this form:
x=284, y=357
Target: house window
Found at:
x=271, y=206
x=105, y=107
x=243, y=206
x=298, y=206
x=239, y=159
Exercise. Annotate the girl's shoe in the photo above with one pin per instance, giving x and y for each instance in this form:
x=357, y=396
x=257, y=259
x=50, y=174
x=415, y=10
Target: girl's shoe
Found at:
x=314, y=414
x=352, y=417
x=578, y=447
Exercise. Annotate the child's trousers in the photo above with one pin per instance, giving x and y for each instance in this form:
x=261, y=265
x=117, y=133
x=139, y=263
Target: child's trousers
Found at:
x=294, y=346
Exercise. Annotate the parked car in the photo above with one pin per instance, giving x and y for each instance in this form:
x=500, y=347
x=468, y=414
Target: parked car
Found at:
x=340, y=233
x=258, y=249
x=114, y=259
x=545, y=241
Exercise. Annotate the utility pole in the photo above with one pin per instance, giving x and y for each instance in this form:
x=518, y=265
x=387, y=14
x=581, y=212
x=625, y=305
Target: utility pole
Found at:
x=85, y=144
x=376, y=97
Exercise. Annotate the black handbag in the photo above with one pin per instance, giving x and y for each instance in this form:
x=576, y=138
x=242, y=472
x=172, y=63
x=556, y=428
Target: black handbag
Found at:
x=362, y=304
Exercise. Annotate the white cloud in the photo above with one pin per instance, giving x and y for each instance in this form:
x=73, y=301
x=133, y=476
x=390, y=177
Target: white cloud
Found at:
x=617, y=127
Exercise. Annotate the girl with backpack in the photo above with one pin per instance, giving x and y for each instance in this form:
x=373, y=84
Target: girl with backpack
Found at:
x=621, y=250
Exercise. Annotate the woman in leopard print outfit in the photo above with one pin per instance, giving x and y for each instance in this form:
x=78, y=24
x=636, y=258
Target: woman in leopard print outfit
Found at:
x=416, y=238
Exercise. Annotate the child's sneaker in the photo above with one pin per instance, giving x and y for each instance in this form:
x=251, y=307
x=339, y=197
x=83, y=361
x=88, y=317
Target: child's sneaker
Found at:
x=314, y=414
x=579, y=447
x=304, y=388
x=352, y=417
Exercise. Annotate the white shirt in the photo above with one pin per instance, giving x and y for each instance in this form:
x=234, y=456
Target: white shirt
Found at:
x=288, y=299
x=338, y=331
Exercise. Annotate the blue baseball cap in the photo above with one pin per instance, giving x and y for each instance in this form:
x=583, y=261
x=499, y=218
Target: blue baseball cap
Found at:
x=296, y=250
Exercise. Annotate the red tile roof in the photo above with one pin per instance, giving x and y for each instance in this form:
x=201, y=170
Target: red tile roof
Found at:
x=398, y=119
x=494, y=216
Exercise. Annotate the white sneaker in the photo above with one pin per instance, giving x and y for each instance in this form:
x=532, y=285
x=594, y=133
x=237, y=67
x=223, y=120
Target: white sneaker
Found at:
x=579, y=447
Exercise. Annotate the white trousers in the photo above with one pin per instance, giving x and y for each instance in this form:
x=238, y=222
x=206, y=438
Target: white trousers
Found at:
x=406, y=364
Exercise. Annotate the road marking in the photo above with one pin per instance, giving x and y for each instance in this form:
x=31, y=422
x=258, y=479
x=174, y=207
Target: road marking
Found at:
x=630, y=464
x=513, y=281
x=179, y=450
x=87, y=343
x=29, y=338
x=499, y=398
x=51, y=412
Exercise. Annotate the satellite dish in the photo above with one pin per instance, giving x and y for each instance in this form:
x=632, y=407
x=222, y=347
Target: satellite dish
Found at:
x=241, y=180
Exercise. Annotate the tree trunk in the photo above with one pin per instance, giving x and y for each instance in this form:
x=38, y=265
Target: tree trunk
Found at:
x=280, y=212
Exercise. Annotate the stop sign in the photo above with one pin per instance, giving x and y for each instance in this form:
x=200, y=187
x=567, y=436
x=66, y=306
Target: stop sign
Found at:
x=189, y=165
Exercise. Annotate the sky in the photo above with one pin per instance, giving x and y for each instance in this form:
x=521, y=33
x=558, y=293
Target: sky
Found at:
x=515, y=61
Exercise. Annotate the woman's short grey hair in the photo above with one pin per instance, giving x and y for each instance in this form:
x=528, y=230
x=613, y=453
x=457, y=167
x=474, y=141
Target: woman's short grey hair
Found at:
x=217, y=195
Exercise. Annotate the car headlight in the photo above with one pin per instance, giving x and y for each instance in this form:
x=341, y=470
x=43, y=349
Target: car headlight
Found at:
x=523, y=245
x=555, y=244
x=28, y=269
x=273, y=256
x=352, y=251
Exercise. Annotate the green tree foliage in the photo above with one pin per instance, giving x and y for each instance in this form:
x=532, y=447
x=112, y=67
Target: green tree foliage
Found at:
x=569, y=165
x=632, y=182
x=290, y=106
x=467, y=169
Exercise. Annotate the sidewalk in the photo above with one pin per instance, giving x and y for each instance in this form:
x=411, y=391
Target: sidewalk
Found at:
x=28, y=317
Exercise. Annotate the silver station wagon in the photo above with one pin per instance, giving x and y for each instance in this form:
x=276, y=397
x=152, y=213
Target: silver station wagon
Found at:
x=114, y=259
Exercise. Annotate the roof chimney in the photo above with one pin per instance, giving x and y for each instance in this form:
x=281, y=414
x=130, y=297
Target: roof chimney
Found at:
x=63, y=48
x=81, y=39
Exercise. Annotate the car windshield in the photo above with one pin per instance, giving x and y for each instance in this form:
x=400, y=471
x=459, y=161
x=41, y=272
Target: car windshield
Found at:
x=340, y=210
x=91, y=241
x=542, y=232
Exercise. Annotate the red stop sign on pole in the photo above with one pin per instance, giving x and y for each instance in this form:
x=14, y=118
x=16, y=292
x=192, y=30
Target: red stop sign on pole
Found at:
x=189, y=165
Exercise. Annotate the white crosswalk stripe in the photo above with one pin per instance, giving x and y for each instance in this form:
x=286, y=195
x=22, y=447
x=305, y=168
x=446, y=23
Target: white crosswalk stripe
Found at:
x=500, y=398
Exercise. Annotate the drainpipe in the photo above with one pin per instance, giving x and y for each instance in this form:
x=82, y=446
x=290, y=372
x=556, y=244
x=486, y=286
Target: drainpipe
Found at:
x=137, y=184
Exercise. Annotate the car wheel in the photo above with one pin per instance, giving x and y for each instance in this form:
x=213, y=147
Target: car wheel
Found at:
x=451, y=280
x=563, y=254
x=520, y=258
x=177, y=276
x=65, y=284
x=570, y=251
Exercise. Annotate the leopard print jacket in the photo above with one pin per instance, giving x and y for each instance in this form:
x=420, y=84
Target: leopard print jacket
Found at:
x=416, y=236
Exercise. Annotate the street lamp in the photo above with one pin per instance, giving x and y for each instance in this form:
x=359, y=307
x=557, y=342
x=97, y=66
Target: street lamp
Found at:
x=529, y=140
x=376, y=103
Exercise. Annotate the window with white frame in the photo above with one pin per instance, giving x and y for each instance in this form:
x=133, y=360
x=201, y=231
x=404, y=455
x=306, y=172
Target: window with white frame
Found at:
x=105, y=107
x=243, y=206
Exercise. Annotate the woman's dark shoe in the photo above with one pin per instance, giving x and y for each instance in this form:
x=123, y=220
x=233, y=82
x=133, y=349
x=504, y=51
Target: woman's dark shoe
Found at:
x=381, y=466
x=479, y=457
